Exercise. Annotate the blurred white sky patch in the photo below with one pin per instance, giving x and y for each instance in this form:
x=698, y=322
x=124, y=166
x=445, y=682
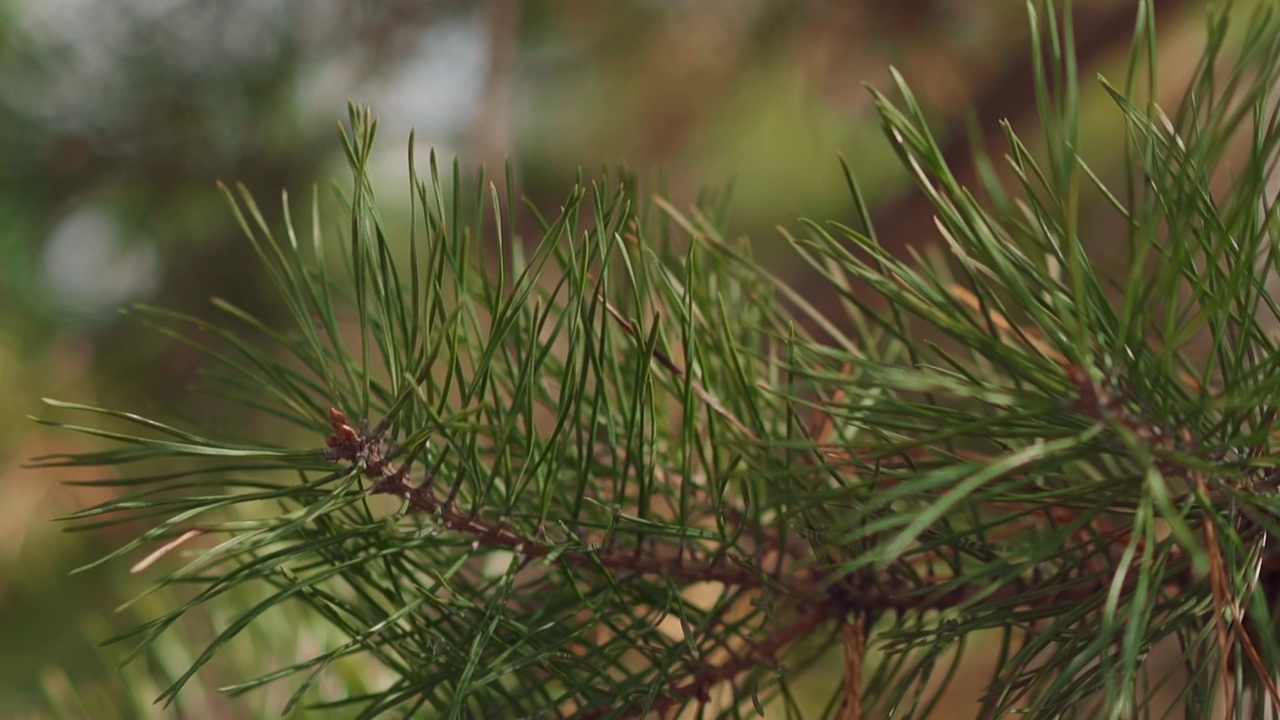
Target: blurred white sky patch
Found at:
x=97, y=65
x=83, y=50
x=437, y=89
x=90, y=269
x=435, y=92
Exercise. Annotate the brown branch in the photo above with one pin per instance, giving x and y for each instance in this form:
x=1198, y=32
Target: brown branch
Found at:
x=854, y=636
x=1221, y=600
x=813, y=597
x=364, y=450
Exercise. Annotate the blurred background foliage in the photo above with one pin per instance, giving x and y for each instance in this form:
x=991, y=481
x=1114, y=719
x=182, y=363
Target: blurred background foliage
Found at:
x=117, y=117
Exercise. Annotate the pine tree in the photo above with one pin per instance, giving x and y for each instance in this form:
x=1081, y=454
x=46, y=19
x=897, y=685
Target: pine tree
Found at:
x=625, y=471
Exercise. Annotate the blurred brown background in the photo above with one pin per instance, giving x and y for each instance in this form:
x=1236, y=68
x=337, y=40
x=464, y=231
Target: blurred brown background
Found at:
x=117, y=117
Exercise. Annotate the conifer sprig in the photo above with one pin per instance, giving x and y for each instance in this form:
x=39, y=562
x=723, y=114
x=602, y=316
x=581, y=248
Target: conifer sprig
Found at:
x=623, y=478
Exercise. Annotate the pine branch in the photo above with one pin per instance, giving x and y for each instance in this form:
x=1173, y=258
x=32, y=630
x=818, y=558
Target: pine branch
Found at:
x=630, y=484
